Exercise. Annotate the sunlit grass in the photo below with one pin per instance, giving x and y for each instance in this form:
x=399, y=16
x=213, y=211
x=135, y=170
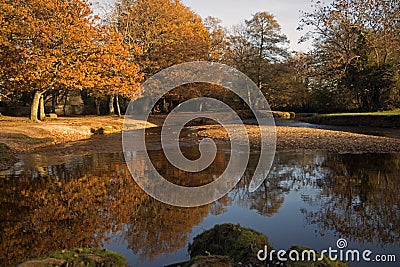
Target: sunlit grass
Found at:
x=379, y=113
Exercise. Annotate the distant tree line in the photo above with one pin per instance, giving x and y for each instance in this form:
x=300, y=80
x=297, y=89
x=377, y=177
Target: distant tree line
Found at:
x=354, y=64
x=50, y=48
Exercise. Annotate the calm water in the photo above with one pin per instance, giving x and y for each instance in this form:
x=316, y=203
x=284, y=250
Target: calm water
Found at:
x=309, y=199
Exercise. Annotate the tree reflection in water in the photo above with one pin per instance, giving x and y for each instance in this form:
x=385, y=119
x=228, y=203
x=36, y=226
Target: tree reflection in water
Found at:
x=81, y=203
x=290, y=171
x=64, y=206
x=355, y=196
x=78, y=204
x=360, y=198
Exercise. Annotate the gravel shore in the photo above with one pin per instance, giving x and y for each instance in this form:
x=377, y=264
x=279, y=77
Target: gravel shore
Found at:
x=66, y=137
x=297, y=138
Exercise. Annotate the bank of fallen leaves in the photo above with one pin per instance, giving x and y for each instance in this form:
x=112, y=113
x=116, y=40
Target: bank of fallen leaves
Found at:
x=22, y=135
x=297, y=138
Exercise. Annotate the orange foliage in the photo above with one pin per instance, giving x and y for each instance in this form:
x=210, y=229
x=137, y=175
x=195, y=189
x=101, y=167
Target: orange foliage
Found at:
x=166, y=32
x=50, y=44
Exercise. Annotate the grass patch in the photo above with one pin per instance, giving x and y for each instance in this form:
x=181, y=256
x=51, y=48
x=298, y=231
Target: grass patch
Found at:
x=111, y=128
x=384, y=119
x=107, y=129
x=80, y=257
x=282, y=115
x=394, y=112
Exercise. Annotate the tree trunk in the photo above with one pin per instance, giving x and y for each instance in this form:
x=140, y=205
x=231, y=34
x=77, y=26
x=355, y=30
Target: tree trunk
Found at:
x=164, y=106
x=65, y=103
x=42, y=115
x=35, y=106
x=118, y=108
x=54, y=102
x=170, y=106
x=249, y=97
x=97, y=102
x=111, y=105
x=260, y=60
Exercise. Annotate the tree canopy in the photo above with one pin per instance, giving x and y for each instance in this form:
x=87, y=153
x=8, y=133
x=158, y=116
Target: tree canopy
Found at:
x=166, y=33
x=48, y=48
x=356, y=51
x=46, y=45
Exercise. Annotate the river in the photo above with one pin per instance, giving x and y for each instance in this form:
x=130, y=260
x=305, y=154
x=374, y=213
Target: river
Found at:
x=310, y=198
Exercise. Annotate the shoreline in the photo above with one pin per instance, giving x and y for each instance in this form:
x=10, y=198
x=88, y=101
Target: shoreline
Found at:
x=68, y=137
x=303, y=139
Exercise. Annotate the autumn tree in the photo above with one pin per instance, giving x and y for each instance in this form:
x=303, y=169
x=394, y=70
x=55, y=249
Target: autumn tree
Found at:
x=259, y=42
x=115, y=68
x=242, y=52
x=166, y=32
x=118, y=63
x=54, y=44
x=257, y=48
x=287, y=83
x=44, y=45
x=356, y=51
x=219, y=40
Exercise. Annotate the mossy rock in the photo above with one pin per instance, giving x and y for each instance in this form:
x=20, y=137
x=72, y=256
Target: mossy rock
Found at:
x=239, y=243
x=210, y=261
x=325, y=262
x=92, y=257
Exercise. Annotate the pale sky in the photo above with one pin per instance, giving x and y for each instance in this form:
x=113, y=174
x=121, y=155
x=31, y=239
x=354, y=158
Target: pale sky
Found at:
x=231, y=12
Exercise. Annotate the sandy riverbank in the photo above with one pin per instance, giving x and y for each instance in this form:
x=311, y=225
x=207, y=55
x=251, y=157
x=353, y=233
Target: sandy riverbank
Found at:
x=23, y=136
x=74, y=136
